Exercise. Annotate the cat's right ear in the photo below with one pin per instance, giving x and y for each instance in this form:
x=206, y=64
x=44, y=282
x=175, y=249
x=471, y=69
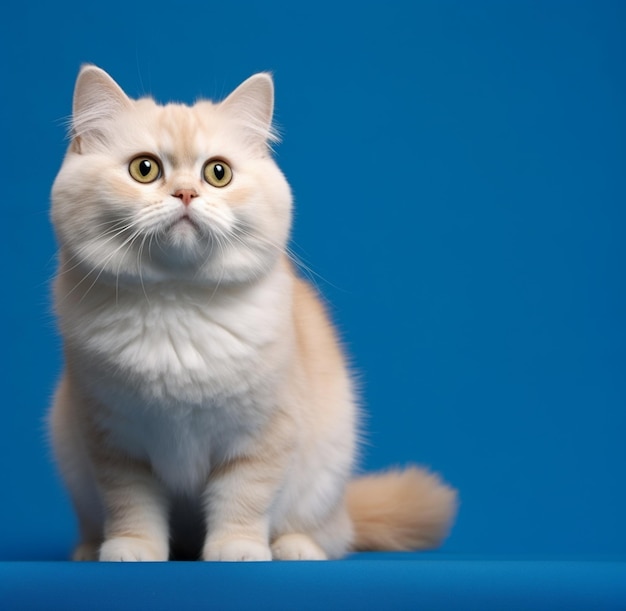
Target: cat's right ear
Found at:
x=97, y=99
x=252, y=105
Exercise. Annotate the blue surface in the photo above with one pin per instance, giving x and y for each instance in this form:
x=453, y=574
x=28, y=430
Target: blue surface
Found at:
x=368, y=584
x=459, y=173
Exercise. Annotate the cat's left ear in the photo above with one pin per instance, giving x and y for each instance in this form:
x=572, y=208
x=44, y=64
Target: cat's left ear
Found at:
x=97, y=100
x=252, y=106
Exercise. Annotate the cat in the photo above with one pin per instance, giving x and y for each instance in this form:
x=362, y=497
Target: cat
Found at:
x=206, y=409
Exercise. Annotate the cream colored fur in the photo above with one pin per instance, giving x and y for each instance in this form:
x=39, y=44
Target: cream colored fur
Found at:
x=205, y=408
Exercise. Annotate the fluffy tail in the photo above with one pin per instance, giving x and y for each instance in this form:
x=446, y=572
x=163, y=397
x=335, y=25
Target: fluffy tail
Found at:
x=400, y=510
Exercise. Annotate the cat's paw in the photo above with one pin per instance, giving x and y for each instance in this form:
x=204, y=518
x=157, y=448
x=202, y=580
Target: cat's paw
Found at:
x=236, y=550
x=86, y=552
x=130, y=549
x=297, y=547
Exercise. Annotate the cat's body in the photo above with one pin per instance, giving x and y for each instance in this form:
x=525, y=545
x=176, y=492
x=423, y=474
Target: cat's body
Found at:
x=205, y=398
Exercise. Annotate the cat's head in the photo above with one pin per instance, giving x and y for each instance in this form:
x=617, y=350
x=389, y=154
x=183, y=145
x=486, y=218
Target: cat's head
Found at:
x=151, y=193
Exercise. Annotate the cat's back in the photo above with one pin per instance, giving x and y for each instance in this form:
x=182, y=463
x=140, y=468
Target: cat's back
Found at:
x=323, y=362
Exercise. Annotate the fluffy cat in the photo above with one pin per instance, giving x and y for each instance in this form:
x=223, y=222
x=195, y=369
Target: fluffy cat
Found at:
x=205, y=409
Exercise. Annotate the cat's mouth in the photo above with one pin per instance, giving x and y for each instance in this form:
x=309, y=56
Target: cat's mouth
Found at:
x=185, y=221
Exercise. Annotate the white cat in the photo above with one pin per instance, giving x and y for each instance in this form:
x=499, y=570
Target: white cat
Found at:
x=205, y=400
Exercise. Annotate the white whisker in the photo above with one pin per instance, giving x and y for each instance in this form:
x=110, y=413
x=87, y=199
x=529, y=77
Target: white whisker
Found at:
x=103, y=266
x=140, y=266
x=89, y=250
x=291, y=255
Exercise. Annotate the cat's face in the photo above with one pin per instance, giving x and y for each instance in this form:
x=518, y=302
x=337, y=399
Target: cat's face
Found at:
x=151, y=193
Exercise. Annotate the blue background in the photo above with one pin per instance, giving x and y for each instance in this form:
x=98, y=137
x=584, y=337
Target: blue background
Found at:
x=459, y=174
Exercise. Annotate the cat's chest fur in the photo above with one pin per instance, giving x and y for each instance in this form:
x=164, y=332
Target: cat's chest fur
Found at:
x=182, y=376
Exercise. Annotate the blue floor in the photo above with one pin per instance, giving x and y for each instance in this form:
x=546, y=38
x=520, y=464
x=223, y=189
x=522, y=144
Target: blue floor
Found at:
x=363, y=581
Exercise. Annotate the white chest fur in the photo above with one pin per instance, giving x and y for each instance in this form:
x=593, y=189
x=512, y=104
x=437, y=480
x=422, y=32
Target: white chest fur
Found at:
x=183, y=375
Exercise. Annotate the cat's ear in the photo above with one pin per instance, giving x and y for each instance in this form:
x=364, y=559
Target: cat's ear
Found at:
x=97, y=100
x=252, y=106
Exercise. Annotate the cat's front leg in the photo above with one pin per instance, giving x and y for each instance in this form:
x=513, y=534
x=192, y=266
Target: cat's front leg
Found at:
x=238, y=500
x=136, y=506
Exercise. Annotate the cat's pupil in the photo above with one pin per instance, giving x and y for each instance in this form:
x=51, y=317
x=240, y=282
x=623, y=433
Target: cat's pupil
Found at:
x=144, y=167
x=218, y=170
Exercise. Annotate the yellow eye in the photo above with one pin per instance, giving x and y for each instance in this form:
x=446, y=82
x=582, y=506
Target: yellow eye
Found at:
x=217, y=173
x=144, y=169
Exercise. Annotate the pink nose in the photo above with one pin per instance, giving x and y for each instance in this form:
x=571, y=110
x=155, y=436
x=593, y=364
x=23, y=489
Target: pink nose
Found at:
x=186, y=195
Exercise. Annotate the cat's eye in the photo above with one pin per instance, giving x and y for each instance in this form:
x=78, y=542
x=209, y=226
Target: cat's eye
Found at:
x=144, y=169
x=217, y=173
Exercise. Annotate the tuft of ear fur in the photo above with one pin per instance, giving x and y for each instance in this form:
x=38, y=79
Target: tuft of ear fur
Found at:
x=252, y=106
x=97, y=99
x=400, y=510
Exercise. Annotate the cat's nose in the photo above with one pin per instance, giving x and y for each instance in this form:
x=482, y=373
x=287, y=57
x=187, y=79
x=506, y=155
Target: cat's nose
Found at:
x=186, y=195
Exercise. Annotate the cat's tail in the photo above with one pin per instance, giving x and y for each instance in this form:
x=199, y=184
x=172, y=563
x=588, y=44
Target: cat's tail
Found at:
x=400, y=510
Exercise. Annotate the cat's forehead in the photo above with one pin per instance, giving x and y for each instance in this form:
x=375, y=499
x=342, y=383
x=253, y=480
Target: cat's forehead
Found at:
x=180, y=132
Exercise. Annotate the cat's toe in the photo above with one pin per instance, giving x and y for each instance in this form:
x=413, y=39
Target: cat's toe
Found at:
x=297, y=547
x=237, y=550
x=130, y=549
